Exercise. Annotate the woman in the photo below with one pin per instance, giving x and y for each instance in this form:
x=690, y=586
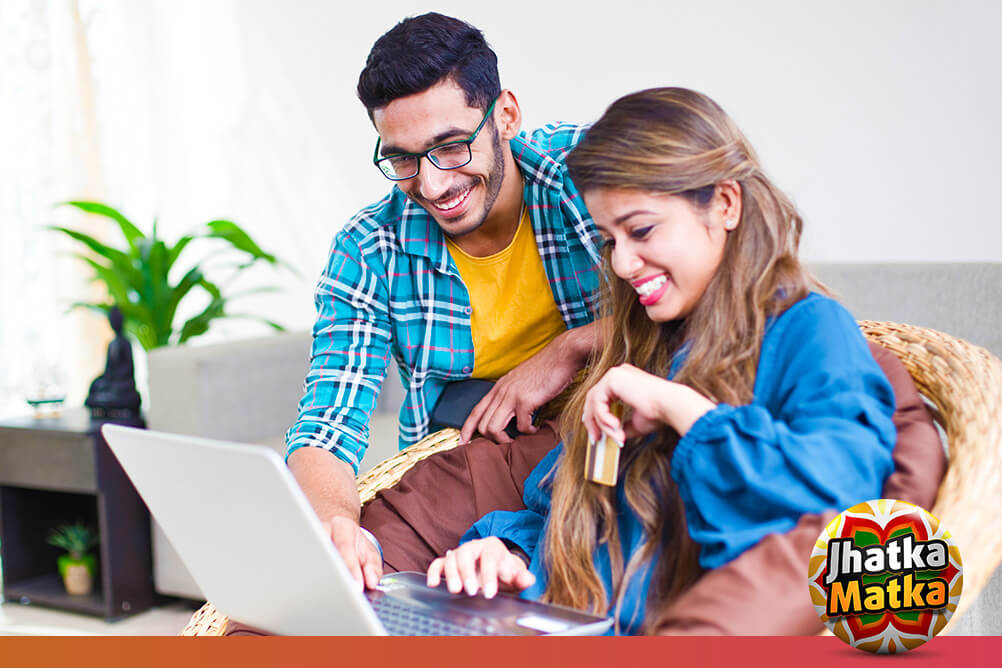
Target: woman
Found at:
x=749, y=400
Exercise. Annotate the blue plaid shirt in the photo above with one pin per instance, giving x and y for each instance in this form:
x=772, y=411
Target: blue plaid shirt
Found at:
x=391, y=288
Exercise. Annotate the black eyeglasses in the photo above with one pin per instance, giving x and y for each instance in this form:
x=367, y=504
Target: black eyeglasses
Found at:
x=450, y=155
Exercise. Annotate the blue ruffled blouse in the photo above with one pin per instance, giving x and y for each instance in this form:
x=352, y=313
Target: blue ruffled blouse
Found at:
x=818, y=435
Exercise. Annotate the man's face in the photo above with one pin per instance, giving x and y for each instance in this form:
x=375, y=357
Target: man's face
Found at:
x=458, y=199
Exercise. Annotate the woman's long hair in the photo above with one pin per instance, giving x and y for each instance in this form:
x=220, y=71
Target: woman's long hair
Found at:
x=679, y=142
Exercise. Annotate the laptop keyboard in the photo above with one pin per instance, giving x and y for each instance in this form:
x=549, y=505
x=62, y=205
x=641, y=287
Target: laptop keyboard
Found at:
x=402, y=619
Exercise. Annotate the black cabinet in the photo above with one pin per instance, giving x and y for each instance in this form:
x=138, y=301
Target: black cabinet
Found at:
x=59, y=470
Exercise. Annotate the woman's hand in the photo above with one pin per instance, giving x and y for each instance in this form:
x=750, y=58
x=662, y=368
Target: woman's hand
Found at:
x=485, y=563
x=656, y=402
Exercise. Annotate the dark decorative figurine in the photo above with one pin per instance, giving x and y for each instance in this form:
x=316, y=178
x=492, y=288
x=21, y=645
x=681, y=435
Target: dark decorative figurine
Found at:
x=113, y=394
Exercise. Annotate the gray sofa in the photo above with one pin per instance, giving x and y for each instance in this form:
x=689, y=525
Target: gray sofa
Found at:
x=964, y=300
x=247, y=391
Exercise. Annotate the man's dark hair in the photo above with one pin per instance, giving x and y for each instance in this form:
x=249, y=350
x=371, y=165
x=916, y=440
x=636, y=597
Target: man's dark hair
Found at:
x=421, y=51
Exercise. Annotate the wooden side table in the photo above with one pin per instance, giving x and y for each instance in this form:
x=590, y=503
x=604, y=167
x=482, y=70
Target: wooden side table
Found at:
x=59, y=470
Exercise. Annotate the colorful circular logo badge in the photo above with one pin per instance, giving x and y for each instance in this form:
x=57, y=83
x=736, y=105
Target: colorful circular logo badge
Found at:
x=885, y=577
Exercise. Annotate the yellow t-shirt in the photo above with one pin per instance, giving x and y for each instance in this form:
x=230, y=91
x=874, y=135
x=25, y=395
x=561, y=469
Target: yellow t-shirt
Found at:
x=514, y=314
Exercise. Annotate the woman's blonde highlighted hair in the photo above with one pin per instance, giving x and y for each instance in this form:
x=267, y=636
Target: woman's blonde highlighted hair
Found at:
x=669, y=141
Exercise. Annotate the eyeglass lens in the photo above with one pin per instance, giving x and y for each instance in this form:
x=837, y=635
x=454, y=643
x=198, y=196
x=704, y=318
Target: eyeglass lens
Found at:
x=449, y=156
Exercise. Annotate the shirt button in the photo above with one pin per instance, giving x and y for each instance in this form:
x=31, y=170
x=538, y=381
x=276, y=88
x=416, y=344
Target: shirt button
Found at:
x=468, y=310
x=467, y=369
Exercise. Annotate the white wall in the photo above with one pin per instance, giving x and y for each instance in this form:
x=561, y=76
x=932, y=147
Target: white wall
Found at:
x=879, y=118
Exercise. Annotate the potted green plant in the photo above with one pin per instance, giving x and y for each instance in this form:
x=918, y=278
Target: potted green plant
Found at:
x=78, y=565
x=144, y=279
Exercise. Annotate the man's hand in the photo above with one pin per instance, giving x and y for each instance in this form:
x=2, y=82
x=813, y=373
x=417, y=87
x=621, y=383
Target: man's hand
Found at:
x=359, y=554
x=530, y=385
x=329, y=484
x=485, y=563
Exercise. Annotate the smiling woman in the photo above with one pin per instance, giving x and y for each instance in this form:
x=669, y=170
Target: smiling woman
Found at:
x=667, y=247
x=738, y=399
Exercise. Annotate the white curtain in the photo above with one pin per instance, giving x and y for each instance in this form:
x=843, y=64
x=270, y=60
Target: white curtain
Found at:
x=154, y=108
x=48, y=139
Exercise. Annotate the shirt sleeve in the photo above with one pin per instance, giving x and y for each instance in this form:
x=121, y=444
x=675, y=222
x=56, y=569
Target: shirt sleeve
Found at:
x=350, y=355
x=522, y=527
x=821, y=438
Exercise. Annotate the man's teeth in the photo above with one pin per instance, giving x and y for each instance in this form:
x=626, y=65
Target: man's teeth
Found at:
x=648, y=288
x=452, y=203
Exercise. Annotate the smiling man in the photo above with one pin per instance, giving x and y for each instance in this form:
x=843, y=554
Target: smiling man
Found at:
x=480, y=263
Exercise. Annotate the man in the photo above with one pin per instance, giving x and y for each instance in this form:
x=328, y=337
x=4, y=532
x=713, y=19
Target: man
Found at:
x=479, y=263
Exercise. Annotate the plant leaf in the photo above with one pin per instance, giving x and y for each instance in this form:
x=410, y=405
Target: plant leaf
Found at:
x=159, y=292
x=136, y=317
x=143, y=333
x=200, y=323
x=175, y=252
x=235, y=235
x=100, y=309
x=74, y=538
x=120, y=261
x=211, y=288
x=117, y=287
x=184, y=286
x=129, y=230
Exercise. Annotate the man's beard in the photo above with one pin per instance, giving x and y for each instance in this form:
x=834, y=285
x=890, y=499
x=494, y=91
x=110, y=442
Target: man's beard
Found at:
x=493, y=182
x=495, y=177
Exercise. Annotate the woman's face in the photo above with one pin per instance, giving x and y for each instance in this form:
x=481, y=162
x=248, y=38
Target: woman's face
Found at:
x=666, y=248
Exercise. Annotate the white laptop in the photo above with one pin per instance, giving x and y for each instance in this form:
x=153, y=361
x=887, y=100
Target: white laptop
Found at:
x=252, y=542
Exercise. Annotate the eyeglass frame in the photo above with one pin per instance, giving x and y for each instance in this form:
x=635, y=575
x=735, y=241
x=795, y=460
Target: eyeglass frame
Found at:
x=424, y=154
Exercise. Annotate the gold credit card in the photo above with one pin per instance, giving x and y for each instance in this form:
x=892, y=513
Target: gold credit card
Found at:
x=602, y=461
x=602, y=458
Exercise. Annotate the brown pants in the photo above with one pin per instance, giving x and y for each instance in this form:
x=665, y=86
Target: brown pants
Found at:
x=435, y=502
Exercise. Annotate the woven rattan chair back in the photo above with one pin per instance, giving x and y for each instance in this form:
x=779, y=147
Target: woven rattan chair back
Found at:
x=964, y=384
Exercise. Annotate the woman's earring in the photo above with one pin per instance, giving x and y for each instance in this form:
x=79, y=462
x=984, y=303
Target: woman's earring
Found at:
x=730, y=224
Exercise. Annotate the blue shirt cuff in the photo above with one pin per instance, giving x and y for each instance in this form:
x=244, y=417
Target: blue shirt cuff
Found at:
x=372, y=539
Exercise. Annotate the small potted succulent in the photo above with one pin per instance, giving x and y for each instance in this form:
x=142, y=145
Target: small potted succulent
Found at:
x=77, y=566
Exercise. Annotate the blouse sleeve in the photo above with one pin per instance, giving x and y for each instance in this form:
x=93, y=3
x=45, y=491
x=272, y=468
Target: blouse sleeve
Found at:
x=523, y=527
x=818, y=436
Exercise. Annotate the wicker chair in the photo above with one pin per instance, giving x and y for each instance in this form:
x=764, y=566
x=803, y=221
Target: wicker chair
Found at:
x=964, y=384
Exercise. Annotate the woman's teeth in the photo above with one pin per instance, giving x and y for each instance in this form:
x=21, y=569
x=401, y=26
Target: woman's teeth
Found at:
x=648, y=288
